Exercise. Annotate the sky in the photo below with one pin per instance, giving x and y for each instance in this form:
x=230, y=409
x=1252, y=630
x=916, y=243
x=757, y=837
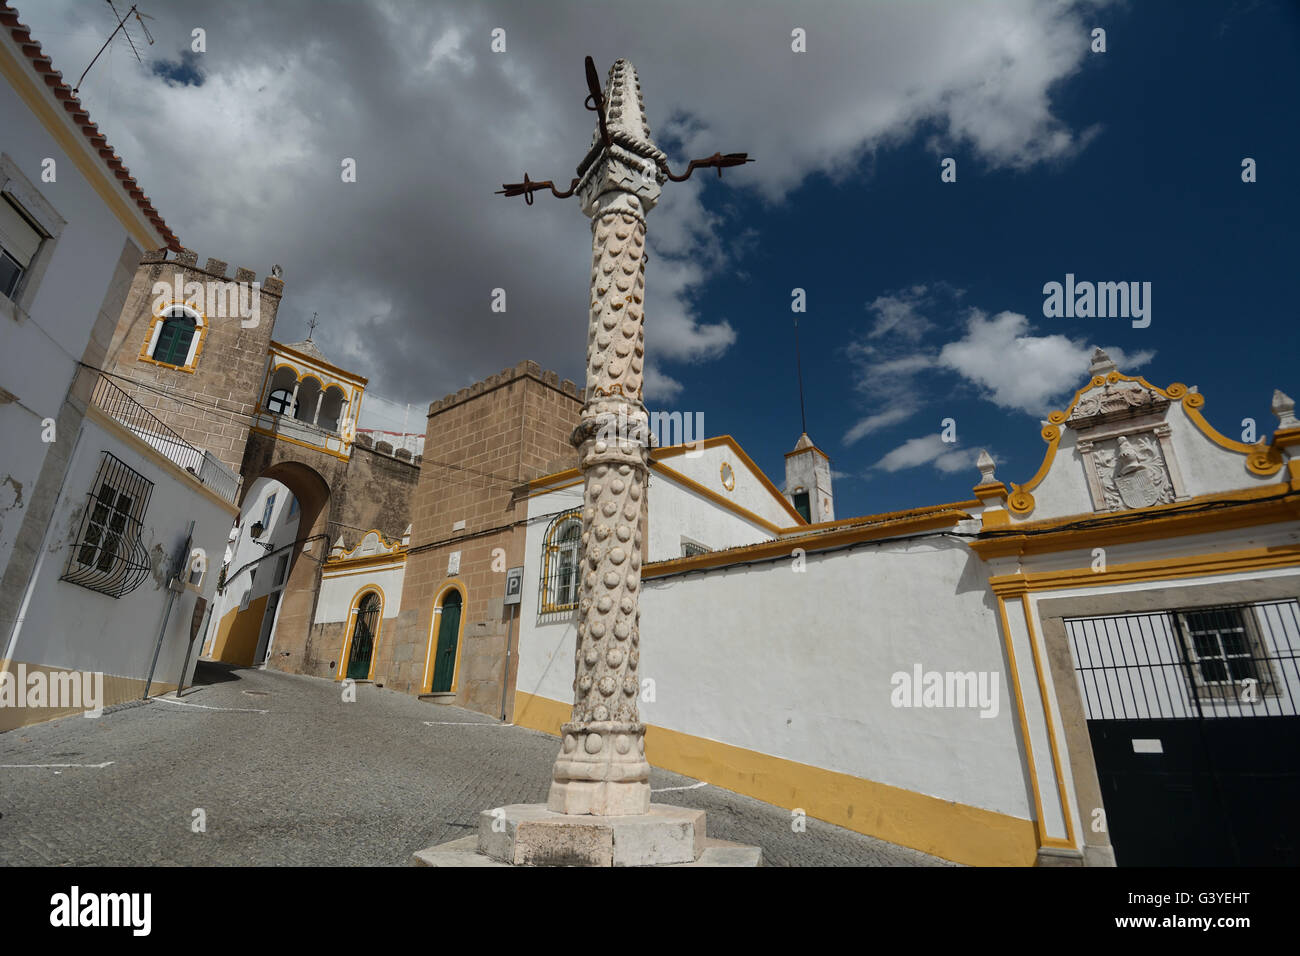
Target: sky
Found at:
x=923, y=293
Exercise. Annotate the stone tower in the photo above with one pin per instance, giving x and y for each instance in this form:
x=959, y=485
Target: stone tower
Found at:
x=191, y=347
x=808, y=481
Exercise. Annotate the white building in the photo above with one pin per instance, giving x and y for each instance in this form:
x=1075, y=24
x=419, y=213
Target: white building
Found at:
x=106, y=513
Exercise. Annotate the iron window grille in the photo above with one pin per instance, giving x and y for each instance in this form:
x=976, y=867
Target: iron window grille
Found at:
x=691, y=548
x=559, y=590
x=108, y=555
x=1190, y=663
x=1224, y=651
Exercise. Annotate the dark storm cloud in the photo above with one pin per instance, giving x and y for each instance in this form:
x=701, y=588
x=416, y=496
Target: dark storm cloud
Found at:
x=402, y=264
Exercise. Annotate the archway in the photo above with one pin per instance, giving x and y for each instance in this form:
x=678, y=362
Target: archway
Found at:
x=366, y=615
x=448, y=642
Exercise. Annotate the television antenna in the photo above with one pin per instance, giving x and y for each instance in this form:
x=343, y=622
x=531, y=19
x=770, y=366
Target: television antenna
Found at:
x=121, y=25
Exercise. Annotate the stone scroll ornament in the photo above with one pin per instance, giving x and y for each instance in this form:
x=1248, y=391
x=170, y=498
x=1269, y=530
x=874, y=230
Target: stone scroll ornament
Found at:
x=602, y=768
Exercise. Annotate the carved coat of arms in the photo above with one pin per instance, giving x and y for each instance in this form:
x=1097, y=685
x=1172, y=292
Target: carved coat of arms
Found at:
x=1133, y=474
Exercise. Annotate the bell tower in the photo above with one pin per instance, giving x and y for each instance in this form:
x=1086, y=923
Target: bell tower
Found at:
x=808, y=481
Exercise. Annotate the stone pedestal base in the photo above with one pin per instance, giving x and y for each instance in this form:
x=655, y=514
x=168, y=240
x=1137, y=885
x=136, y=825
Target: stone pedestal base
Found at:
x=531, y=835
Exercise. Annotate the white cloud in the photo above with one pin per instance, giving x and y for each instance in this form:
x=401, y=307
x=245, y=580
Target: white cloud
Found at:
x=874, y=423
x=1018, y=370
x=659, y=387
x=927, y=450
x=245, y=167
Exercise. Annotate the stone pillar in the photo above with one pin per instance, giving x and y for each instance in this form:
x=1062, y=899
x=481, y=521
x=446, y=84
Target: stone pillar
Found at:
x=601, y=768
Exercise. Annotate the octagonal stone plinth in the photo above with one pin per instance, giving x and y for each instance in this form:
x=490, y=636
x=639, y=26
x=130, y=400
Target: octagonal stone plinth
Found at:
x=526, y=834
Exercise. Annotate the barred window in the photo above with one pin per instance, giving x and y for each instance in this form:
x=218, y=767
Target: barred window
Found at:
x=1224, y=651
x=691, y=548
x=108, y=556
x=560, y=563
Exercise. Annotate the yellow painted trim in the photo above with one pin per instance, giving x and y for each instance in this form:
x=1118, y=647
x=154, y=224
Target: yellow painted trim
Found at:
x=384, y=541
x=318, y=364
x=537, y=491
x=940, y=827
x=394, y=566
x=1057, y=765
x=451, y=584
x=548, y=549
x=102, y=418
x=1262, y=460
x=200, y=331
x=1262, y=504
x=812, y=542
x=1024, y=723
x=78, y=149
x=672, y=474
x=1254, y=559
x=348, y=633
x=293, y=441
x=657, y=455
x=883, y=516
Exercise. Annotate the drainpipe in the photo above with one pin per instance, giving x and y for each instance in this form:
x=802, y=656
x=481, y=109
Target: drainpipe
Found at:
x=207, y=616
x=505, y=676
x=172, y=589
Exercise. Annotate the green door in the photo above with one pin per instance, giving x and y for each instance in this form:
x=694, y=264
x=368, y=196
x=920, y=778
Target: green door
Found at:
x=363, y=638
x=444, y=658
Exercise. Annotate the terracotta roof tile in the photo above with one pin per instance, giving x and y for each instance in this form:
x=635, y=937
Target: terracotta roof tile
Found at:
x=43, y=66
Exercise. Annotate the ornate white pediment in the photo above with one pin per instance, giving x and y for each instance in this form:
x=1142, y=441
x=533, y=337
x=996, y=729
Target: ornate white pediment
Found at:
x=1115, y=401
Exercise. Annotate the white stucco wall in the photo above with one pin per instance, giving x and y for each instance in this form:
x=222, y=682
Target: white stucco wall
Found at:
x=749, y=492
x=338, y=591
x=799, y=666
x=41, y=349
x=69, y=626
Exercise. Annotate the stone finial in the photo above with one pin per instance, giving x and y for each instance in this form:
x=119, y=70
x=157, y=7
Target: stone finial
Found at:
x=406, y=535
x=1284, y=409
x=277, y=271
x=1101, y=363
x=339, y=547
x=986, y=465
x=624, y=105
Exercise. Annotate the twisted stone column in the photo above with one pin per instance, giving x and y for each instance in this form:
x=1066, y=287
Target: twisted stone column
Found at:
x=602, y=768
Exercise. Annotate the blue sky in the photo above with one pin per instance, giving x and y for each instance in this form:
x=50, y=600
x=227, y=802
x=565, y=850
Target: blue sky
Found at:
x=924, y=298
x=1177, y=101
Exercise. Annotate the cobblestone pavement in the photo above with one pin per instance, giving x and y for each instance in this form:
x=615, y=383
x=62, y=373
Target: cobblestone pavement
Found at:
x=288, y=774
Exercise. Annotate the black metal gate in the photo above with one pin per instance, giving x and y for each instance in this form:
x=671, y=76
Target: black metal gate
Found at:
x=1195, y=732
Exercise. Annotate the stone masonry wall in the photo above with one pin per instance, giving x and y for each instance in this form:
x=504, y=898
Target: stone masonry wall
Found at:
x=211, y=406
x=482, y=446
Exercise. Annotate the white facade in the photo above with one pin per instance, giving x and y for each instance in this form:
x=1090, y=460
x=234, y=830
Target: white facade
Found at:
x=257, y=568
x=66, y=626
x=927, y=676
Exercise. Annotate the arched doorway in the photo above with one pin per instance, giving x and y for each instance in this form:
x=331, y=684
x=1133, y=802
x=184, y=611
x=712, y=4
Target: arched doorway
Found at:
x=444, y=656
x=365, y=630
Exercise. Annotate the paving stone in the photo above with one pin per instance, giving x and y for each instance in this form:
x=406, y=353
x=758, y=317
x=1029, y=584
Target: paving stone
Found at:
x=316, y=781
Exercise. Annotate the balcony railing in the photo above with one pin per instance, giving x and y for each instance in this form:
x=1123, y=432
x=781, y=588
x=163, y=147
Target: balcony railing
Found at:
x=146, y=426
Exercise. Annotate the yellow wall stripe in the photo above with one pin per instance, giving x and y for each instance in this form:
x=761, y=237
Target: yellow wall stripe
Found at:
x=940, y=827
